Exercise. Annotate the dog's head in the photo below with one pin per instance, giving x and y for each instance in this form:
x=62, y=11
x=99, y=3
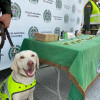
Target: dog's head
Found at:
x=25, y=63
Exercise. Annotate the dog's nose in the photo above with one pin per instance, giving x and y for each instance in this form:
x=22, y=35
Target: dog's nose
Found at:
x=30, y=63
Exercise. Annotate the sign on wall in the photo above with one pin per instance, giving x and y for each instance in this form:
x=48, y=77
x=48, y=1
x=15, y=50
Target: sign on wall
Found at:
x=43, y=16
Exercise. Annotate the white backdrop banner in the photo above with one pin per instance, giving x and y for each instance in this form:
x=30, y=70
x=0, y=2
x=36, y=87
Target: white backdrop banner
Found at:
x=43, y=16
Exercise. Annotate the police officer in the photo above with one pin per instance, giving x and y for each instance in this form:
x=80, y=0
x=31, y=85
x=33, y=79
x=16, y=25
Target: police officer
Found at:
x=91, y=18
x=5, y=6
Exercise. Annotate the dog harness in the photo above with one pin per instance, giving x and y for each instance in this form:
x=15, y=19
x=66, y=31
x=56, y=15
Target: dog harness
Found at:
x=10, y=87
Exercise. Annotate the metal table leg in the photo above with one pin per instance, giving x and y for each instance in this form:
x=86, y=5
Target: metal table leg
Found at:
x=58, y=85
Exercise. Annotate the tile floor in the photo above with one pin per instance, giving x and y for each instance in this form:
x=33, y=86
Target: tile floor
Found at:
x=48, y=76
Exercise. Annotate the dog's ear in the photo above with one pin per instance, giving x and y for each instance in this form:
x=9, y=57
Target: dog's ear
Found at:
x=37, y=62
x=14, y=65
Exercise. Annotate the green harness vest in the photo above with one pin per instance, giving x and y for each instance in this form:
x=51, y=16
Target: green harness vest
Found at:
x=95, y=15
x=10, y=87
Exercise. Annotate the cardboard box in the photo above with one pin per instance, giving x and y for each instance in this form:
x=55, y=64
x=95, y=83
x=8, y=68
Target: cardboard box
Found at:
x=45, y=37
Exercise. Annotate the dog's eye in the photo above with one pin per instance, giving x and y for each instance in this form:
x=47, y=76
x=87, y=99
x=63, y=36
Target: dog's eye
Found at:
x=22, y=57
x=32, y=56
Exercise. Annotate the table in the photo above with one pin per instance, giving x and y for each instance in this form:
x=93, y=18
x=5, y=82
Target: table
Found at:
x=80, y=58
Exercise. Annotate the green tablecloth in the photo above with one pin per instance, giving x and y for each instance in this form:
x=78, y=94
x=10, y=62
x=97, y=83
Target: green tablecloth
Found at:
x=81, y=58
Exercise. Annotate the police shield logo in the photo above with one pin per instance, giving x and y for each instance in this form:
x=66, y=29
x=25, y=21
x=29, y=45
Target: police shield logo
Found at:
x=34, y=1
x=47, y=16
x=57, y=31
x=31, y=31
x=98, y=66
x=13, y=51
x=58, y=4
x=16, y=11
x=66, y=18
x=2, y=88
x=73, y=8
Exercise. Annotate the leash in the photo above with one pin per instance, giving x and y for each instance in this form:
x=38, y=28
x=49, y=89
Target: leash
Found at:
x=10, y=41
x=3, y=33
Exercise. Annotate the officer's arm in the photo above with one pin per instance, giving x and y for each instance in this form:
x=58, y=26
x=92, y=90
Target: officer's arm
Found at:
x=87, y=12
x=5, y=6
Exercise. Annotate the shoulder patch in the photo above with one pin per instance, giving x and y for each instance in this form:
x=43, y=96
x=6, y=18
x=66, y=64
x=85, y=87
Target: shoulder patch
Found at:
x=88, y=6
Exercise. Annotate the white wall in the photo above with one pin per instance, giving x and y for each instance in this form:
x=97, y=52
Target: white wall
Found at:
x=29, y=17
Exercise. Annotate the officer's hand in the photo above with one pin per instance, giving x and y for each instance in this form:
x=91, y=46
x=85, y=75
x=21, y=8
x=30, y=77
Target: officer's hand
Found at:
x=88, y=32
x=6, y=18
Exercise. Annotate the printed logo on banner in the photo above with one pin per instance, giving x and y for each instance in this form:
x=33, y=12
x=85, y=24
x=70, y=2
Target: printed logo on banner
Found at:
x=98, y=66
x=71, y=29
x=16, y=11
x=57, y=31
x=73, y=8
x=66, y=18
x=58, y=4
x=11, y=52
x=78, y=20
x=31, y=31
x=34, y=1
x=47, y=16
x=80, y=1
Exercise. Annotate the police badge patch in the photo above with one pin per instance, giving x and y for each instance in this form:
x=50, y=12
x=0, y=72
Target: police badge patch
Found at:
x=2, y=88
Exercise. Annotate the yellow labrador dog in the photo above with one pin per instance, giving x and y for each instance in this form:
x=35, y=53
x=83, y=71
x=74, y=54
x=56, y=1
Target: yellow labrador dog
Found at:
x=22, y=78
